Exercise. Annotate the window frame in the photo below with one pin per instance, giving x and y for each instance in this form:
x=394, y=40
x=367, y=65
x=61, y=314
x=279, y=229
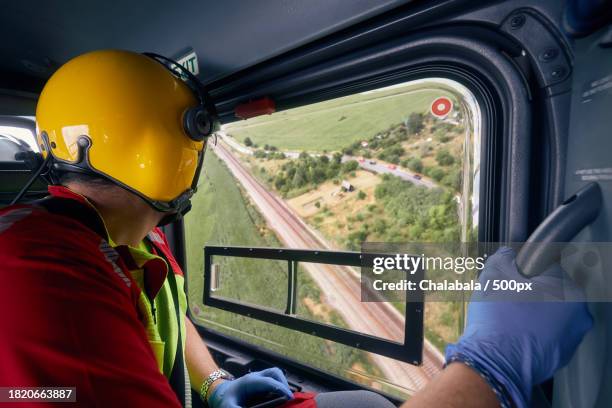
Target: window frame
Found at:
x=409, y=351
x=477, y=57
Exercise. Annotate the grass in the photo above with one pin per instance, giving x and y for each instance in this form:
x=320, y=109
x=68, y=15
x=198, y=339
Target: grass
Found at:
x=221, y=215
x=334, y=124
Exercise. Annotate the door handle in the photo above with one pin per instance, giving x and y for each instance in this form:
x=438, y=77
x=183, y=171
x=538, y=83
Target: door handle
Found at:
x=562, y=225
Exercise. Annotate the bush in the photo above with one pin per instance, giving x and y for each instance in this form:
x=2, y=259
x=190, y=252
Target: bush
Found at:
x=442, y=136
x=260, y=154
x=425, y=150
x=248, y=142
x=400, y=133
x=414, y=164
x=361, y=195
x=392, y=153
x=318, y=204
x=453, y=179
x=444, y=158
x=380, y=226
x=357, y=238
x=277, y=155
x=437, y=173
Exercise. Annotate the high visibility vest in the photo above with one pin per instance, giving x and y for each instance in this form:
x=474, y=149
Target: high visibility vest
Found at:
x=161, y=302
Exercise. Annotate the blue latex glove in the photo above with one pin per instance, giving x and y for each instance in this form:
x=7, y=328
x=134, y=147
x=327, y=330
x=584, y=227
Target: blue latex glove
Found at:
x=522, y=343
x=235, y=393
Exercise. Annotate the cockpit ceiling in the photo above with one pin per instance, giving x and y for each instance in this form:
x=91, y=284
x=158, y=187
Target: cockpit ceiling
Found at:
x=229, y=35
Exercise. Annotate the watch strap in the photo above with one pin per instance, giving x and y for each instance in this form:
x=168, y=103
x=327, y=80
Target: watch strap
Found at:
x=212, y=377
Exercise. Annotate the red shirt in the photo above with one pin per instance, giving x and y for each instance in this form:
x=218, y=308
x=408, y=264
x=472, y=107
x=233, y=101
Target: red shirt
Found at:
x=68, y=313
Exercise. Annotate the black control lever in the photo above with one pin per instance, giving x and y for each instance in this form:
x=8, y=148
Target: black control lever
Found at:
x=561, y=225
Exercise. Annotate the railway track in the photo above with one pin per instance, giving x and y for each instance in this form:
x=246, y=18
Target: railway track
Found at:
x=339, y=284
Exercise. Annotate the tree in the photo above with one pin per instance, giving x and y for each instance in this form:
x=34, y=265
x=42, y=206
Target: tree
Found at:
x=248, y=142
x=299, y=179
x=279, y=182
x=415, y=122
x=318, y=175
x=337, y=158
x=350, y=166
x=348, y=151
x=361, y=195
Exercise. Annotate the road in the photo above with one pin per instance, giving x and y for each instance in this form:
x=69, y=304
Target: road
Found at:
x=340, y=286
x=374, y=166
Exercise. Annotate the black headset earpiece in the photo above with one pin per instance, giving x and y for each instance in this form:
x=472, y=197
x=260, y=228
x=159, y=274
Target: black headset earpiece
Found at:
x=197, y=123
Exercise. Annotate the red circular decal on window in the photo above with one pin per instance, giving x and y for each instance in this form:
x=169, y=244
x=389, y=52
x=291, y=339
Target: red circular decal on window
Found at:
x=440, y=107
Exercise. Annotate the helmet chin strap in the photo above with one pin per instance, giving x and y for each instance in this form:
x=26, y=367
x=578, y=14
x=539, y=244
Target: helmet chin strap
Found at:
x=175, y=216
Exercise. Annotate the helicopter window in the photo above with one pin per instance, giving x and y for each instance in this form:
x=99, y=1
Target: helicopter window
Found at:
x=394, y=164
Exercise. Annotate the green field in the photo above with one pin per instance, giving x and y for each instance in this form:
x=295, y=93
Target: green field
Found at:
x=220, y=215
x=334, y=124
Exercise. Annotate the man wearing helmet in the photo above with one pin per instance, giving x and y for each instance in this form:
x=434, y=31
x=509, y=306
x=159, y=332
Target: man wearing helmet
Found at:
x=92, y=297
x=101, y=299
x=95, y=298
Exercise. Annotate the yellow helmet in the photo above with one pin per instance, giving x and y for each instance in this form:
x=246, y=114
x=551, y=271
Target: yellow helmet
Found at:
x=138, y=120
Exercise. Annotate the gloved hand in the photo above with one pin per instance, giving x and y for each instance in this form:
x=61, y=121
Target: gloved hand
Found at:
x=521, y=343
x=235, y=393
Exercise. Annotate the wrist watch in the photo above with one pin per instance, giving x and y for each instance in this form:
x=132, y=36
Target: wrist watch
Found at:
x=218, y=374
